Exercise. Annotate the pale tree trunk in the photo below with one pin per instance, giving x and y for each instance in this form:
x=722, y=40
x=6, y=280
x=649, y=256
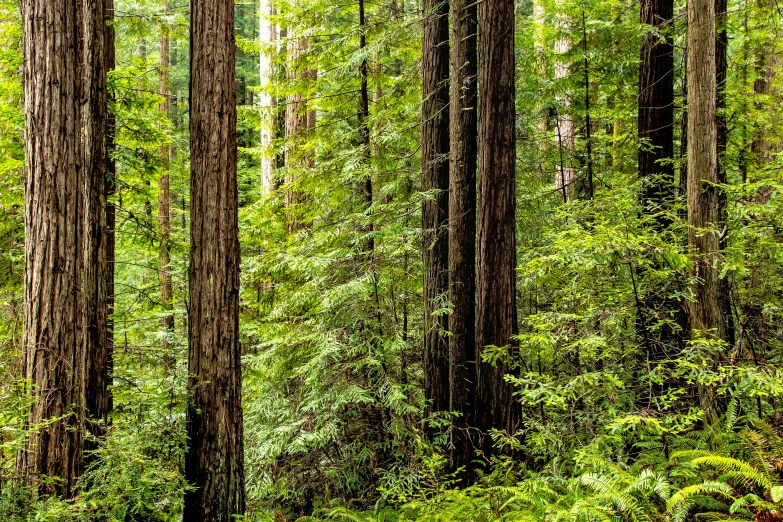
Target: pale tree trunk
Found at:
x=496, y=277
x=298, y=119
x=214, y=462
x=704, y=213
x=164, y=190
x=95, y=140
x=52, y=355
x=539, y=43
x=268, y=35
x=564, y=124
x=462, y=229
x=435, y=210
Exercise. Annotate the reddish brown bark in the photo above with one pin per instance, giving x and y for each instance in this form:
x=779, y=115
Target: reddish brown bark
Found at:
x=462, y=228
x=496, y=277
x=214, y=464
x=52, y=354
x=435, y=210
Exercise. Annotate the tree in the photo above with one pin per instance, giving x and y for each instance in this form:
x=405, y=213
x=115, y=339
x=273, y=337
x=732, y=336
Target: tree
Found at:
x=214, y=462
x=52, y=358
x=435, y=208
x=462, y=226
x=656, y=149
x=164, y=186
x=95, y=241
x=298, y=119
x=564, y=123
x=704, y=213
x=268, y=30
x=496, y=278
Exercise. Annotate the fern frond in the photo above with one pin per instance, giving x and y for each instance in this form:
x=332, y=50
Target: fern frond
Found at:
x=705, y=488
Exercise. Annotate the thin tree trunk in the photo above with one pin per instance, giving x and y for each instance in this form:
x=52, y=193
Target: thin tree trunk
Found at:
x=214, y=462
x=52, y=355
x=110, y=188
x=721, y=69
x=164, y=189
x=462, y=228
x=95, y=247
x=496, y=277
x=704, y=211
x=435, y=210
x=564, y=123
x=268, y=101
x=364, y=125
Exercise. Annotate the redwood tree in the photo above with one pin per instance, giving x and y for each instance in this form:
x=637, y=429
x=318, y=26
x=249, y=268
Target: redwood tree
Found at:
x=214, y=459
x=52, y=353
x=98, y=58
x=706, y=314
x=435, y=210
x=495, y=300
x=462, y=227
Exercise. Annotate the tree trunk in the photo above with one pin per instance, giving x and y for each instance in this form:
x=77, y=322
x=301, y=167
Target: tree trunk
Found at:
x=704, y=211
x=164, y=189
x=95, y=245
x=52, y=356
x=496, y=277
x=721, y=69
x=564, y=124
x=364, y=128
x=435, y=210
x=656, y=149
x=297, y=121
x=214, y=459
x=462, y=228
x=268, y=101
x=110, y=188
x=656, y=106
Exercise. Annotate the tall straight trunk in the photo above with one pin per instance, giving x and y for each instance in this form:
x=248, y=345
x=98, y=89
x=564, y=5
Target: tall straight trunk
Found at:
x=496, y=278
x=95, y=246
x=52, y=355
x=656, y=106
x=435, y=210
x=564, y=124
x=164, y=188
x=268, y=35
x=364, y=123
x=656, y=149
x=297, y=120
x=214, y=462
x=704, y=212
x=721, y=69
x=110, y=188
x=539, y=44
x=462, y=227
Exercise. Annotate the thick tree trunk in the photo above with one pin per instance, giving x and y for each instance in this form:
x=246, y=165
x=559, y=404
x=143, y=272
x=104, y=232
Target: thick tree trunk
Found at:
x=496, y=278
x=96, y=133
x=52, y=356
x=656, y=106
x=435, y=210
x=462, y=228
x=214, y=460
x=706, y=313
x=164, y=189
x=268, y=101
x=656, y=150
